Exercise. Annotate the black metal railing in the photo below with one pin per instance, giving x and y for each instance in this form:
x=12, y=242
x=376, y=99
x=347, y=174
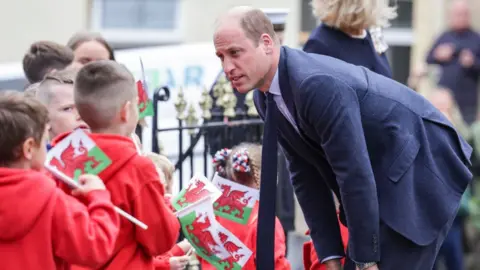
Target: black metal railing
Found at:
x=218, y=132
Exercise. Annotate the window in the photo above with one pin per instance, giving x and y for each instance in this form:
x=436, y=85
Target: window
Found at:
x=400, y=39
x=308, y=21
x=404, y=12
x=143, y=22
x=399, y=58
x=13, y=84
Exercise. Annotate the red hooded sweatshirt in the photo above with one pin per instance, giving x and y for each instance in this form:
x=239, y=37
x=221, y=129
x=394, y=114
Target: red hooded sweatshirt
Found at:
x=162, y=262
x=248, y=235
x=43, y=228
x=136, y=188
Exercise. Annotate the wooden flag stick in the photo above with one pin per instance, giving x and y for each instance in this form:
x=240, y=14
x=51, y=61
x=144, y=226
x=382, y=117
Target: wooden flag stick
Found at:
x=69, y=181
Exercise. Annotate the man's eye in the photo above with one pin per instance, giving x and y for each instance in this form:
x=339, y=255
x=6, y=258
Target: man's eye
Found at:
x=234, y=52
x=67, y=109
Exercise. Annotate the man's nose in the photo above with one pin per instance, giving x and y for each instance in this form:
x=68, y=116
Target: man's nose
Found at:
x=228, y=66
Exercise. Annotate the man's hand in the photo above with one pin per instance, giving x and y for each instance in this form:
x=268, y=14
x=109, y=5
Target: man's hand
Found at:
x=467, y=58
x=179, y=263
x=334, y=264
x=88, y=182
x=444, y=52
x=375, y=267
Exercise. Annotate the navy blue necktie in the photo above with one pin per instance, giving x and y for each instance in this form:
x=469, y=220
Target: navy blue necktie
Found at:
x=268, y=186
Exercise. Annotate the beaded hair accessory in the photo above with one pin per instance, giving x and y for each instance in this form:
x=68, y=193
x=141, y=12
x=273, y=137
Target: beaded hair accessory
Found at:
x=241, y=161
x=220, y=160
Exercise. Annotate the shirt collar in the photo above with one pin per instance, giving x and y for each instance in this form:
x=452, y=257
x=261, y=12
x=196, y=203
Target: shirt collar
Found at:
x=275, y=86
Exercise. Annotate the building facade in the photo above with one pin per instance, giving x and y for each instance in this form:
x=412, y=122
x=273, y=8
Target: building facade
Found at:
x=135, y=23
x=125, y=23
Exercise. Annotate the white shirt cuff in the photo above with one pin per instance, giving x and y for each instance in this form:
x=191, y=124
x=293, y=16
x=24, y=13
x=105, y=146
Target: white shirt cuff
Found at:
x=331, y=258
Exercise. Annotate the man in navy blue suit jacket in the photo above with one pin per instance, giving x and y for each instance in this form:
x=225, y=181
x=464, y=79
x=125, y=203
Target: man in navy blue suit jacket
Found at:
x=395, y=162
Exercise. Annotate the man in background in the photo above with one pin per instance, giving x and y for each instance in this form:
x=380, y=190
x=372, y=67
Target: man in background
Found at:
x=457, y=53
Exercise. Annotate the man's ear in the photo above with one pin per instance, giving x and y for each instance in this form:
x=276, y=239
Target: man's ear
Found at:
x=267, y=42
x=28, y=148
x=125, y=111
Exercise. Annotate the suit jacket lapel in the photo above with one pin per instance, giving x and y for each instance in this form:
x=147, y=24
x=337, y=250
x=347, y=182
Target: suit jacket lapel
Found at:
x=289, y=99
x=284, y=83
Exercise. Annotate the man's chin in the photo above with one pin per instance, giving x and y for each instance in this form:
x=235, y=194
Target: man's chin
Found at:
x=243, y=89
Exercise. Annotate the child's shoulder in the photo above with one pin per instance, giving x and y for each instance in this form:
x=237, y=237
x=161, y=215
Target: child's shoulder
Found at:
x=40, y=178
x=142, y=162
x=144, y=168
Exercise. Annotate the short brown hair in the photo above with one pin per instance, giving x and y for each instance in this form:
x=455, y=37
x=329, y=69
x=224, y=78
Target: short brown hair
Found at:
x=255, y=23
x=81, y=37
x=101, y=89
x=44, y=90
x=43, y=57
x=21, y=117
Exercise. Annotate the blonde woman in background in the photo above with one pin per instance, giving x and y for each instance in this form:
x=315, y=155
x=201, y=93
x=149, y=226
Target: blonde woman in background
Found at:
x=344, y=32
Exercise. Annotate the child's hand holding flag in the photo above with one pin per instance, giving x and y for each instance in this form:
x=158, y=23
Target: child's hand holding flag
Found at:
x=88, y=183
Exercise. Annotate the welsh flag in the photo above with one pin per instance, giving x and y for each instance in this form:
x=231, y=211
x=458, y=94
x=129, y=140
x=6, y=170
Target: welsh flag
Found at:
x=197, y=188
x=239, y=253
x=211, y=241
x=75, y=155
x=236, y=202
x=145, y=104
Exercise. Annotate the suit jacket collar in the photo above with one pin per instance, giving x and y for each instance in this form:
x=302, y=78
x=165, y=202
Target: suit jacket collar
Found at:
x=284, y=81
x=285, y=89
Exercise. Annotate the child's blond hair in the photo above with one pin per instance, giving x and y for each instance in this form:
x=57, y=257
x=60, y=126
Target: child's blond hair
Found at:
x=165, y=168
x=242, y=164
x=45, y=92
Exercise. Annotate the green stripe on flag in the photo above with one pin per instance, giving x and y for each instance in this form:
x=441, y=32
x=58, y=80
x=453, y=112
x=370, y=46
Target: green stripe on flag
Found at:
x=186, y=222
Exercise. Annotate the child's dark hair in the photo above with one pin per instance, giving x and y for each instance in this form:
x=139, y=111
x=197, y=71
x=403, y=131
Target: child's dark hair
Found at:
x=241, y=164
x=44, y=56
x=21, y=117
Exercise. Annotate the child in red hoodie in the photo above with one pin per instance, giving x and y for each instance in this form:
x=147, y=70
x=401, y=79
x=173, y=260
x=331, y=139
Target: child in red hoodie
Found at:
x=242, y=164
x=176, y=258
x=41, y=227
x=106, y=99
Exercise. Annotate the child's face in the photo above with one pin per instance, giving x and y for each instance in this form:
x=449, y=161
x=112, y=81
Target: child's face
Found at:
x=35, y=152
x=62, y=112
